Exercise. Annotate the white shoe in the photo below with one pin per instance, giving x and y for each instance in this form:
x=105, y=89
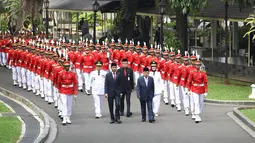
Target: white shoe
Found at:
x=172, y=103
x=64, y=121
x=15, y=83
x=68, y=120
x=178, y=107
x=165, y=101
x=193, y=116
x=186, y=110
x=56, y=104
x=20, y=85
x=156, y=114
x=29, y=88
x=37, y=93
x=198, y=118
x=42, y=95
x=24, y=86
x=46, y=98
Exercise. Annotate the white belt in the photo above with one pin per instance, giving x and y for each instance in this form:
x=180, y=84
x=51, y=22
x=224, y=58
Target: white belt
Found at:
x=71, y=85
x=198, y=84
x=39, y=67
x=175, y=77
x=77, y=63
x=46, y=71
x=142, y=66
x=182, y=78
x=88, y=66
x=129, y=62
x=135, y=64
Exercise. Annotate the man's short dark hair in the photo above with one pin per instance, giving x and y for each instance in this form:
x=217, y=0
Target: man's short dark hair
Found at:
x=113, y=65
x=124, y=60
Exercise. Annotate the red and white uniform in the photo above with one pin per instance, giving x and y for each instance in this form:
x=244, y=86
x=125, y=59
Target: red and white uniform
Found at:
x=103, y=58
x=143, y=63
x=78, y=67
x=88, y=67
x=116, y=56
x=67, y=87
x=129, y=55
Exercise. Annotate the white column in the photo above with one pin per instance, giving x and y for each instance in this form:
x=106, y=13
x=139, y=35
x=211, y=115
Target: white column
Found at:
x=253, y=91
x=213, y=35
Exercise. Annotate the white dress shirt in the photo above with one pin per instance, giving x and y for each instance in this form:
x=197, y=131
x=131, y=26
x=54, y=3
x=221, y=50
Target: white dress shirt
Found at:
x=157, y=82
x=146, y=81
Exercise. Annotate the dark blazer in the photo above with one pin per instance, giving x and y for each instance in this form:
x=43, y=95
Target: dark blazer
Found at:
x=145, y=92
x=126, y=82
x=111, y=86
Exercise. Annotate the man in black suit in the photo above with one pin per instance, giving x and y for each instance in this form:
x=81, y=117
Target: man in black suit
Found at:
x=126, y=76
x=145, y=92
x=112, y=93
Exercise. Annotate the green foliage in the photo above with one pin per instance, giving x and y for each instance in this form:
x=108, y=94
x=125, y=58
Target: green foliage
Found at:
x=250, y=113
x=10, y=129
x=3, y=22
x=251, y=22
x=187, y=6
x=89, y=17
x=13, y=7
x=170, y=38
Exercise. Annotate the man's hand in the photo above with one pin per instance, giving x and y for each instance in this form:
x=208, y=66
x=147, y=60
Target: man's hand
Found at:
x=106, y=95
x=121, y=95
x=75, y=96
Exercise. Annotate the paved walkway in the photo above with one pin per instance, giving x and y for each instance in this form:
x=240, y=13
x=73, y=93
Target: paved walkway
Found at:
x=31, y=124
x=170, y=126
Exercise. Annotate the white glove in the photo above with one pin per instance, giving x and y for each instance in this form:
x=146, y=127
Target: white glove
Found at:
x=205, y=94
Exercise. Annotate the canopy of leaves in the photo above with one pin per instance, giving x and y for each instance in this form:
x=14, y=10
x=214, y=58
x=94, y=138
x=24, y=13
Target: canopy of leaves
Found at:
x=251, y=21
x=187, y=6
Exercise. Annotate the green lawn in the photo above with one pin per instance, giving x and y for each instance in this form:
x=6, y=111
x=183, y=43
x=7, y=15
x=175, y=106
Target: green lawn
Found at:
x=250, y=113
x=236, y=90
x=3, y=108
x=10, y=129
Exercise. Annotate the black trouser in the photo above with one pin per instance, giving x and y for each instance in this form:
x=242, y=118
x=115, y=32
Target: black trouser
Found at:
x=117, y=107
x=122, y=104
x=143, y=109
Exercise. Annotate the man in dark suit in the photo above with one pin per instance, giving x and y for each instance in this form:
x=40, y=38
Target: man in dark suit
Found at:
x=126, y=76
x=145, y=92
x=112, y=93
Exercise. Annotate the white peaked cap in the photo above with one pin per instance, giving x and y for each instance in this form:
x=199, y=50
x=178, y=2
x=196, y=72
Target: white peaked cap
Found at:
x=198, y=57
x=193, y=52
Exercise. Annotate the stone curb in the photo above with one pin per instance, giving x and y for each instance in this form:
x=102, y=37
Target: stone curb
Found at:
x=243, y=118
x=48, y=121
x=230, y=102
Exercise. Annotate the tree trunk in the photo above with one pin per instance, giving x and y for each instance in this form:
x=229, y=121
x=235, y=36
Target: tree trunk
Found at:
x=128, y=18
x=182, y=29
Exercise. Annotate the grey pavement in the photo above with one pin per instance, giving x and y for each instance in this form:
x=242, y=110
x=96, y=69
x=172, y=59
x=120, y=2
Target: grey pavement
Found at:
x=32, y=125
x=170, y=126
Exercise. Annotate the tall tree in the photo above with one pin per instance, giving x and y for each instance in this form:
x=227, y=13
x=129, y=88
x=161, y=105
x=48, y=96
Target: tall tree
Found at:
x=182, y=9
x=127, y=18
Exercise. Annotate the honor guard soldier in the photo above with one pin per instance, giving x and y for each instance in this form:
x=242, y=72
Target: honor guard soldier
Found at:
x=183, y=80
x=103, y=58
x=67, y=86
x=88, y=67
x=175, y=78
x=98, y=88
x=197, y=83
x=170, y=65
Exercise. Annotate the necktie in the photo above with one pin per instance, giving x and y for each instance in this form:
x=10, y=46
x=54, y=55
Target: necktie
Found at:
x=125, y=72
x=146, y=81
x=98, y=72
x=114, y=76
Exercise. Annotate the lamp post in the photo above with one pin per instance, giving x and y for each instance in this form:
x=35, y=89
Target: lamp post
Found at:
x=95, y=7
x=162, y=7
x=226, y=42
x=46, y=6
